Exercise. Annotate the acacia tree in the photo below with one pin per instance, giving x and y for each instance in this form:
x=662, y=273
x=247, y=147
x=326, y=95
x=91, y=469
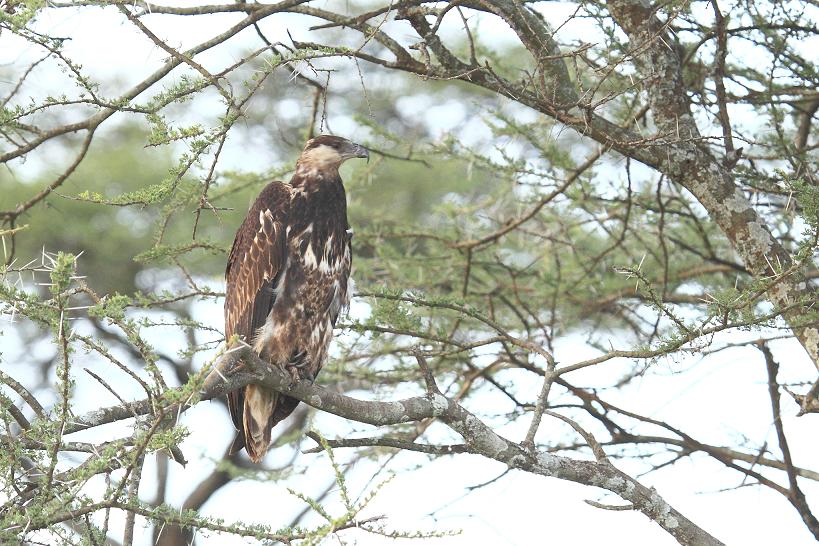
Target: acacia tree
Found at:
x=637, y=174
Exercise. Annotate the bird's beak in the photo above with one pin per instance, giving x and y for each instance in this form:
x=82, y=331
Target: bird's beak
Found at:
x=361, y=151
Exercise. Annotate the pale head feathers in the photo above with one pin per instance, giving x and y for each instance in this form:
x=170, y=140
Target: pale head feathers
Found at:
x=327, y=152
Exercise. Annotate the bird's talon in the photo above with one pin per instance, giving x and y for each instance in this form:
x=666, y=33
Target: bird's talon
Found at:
x=294, y=375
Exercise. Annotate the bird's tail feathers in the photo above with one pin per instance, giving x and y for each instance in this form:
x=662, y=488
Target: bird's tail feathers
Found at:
x=258, y=420
x=238, y=443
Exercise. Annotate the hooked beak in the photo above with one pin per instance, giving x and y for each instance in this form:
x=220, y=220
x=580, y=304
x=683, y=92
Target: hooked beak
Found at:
x=360, y=151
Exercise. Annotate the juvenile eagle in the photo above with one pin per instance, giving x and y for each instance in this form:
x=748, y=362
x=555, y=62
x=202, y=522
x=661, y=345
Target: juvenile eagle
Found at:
x=287, y=278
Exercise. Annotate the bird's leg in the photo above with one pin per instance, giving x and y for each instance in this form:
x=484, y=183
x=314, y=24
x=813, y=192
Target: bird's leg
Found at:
x=298, y=367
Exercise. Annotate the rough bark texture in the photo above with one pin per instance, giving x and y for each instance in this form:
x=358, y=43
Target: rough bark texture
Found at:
x=693, y=166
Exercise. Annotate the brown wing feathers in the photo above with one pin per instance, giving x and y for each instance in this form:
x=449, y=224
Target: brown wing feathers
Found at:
x=256, y=259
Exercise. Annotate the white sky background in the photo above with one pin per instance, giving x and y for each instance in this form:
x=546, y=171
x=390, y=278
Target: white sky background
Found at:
x=717, y=402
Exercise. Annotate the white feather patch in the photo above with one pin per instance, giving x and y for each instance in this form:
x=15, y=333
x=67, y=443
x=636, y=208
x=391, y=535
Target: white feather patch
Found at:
x=265, y=335
x=310, y=257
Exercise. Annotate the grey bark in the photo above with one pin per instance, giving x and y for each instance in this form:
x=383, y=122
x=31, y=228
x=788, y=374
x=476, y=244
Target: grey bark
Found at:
x=478, y=437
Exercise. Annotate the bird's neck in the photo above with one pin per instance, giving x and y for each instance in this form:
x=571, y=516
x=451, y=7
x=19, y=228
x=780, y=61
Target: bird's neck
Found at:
x=307, y=169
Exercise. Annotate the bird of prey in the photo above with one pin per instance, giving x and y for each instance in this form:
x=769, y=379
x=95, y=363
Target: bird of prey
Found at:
x=287, y=281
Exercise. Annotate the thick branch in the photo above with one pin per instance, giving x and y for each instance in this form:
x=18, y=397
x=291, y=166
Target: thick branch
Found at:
x=694, y=167
x=479, y=438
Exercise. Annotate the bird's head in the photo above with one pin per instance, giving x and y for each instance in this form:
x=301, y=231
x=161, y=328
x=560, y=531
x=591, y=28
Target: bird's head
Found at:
x=329, y=152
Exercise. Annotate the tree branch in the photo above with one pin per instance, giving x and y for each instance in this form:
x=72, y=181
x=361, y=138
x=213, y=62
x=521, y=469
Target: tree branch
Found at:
x=795, y=494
